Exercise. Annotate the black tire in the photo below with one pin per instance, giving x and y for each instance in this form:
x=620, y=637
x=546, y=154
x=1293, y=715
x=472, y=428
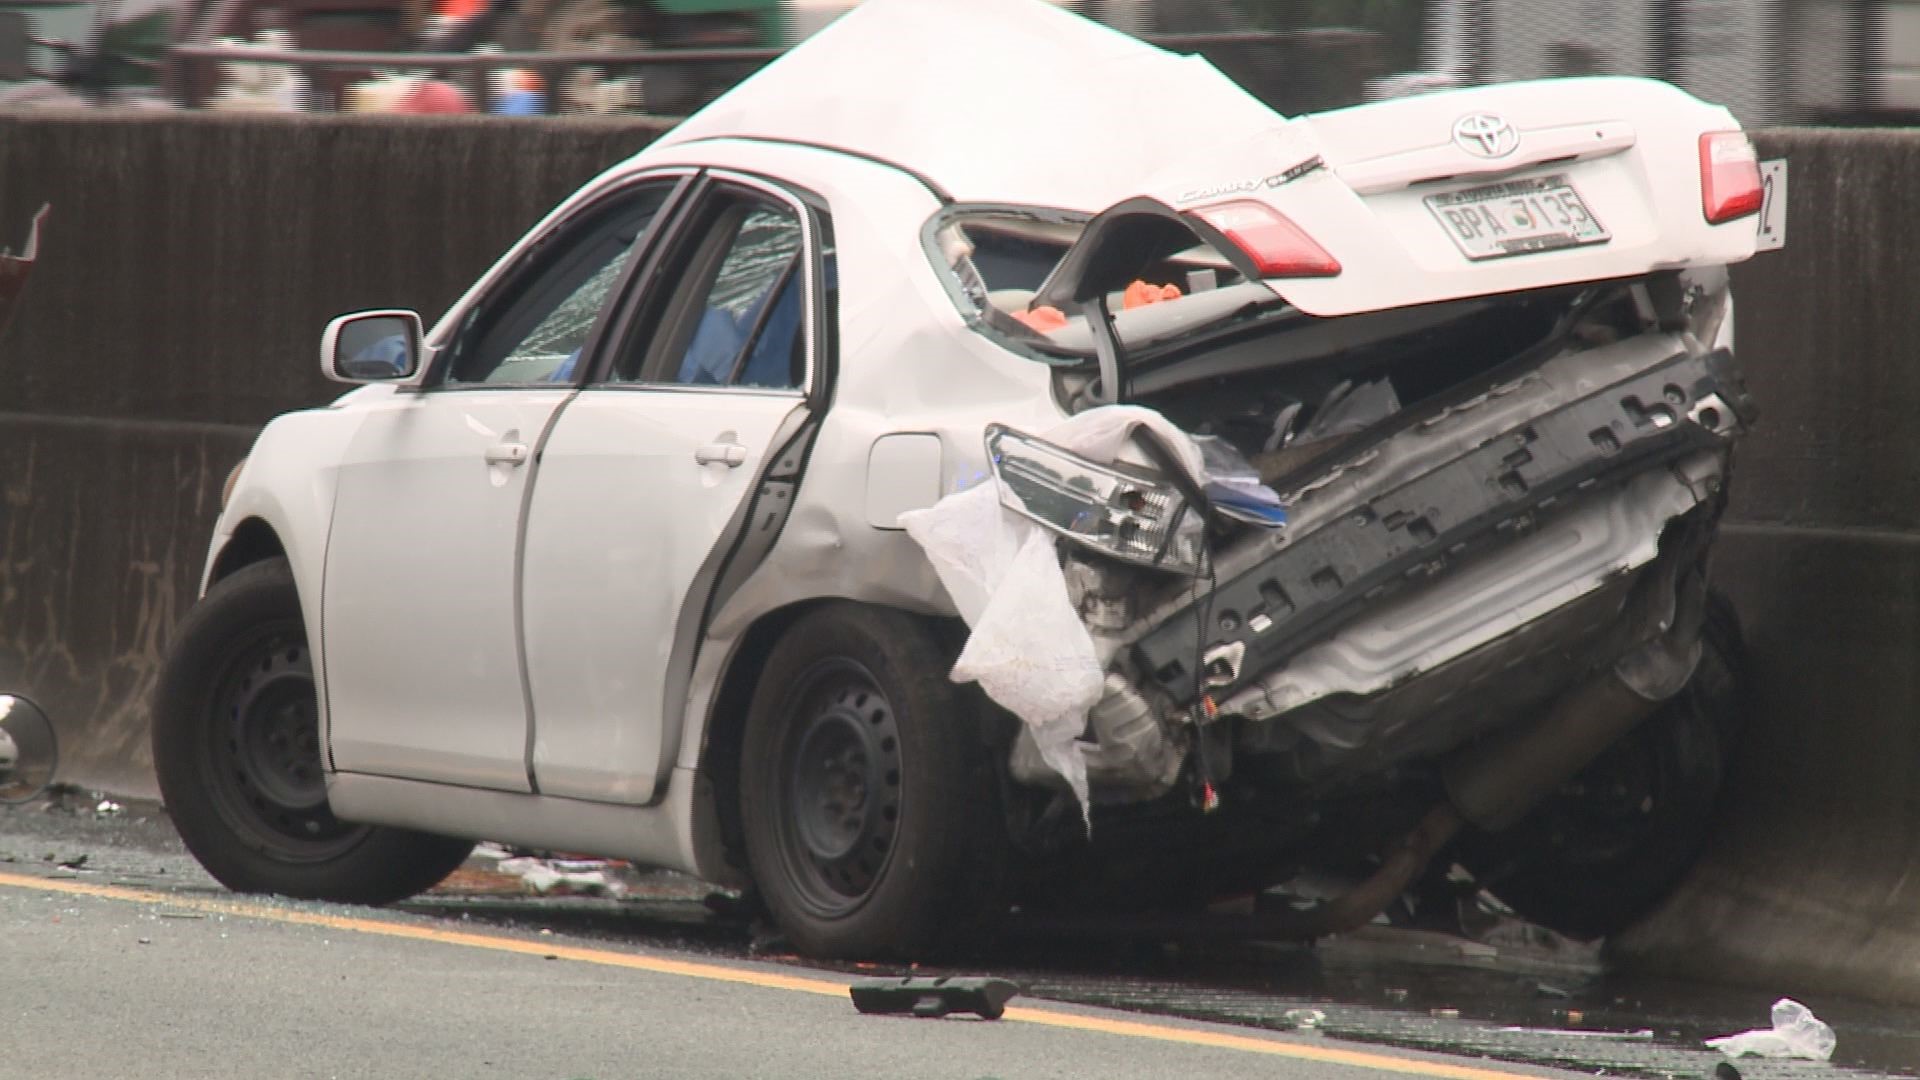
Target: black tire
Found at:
x=1615, y=841
x=236, y=745
x=869, y=801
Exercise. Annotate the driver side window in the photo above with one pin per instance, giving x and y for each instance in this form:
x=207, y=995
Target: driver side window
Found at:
x=536, y=330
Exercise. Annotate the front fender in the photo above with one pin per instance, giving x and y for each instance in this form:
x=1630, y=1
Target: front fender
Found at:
x=287, y=484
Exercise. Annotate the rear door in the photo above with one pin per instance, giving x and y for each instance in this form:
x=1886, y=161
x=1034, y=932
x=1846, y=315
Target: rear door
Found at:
x=423, y=669
x=647, y=479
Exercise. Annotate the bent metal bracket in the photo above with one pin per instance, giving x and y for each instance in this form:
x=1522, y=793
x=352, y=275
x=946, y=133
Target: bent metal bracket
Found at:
x=15, y=268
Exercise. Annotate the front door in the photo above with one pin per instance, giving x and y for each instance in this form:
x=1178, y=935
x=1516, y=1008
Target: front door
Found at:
x=419, y=607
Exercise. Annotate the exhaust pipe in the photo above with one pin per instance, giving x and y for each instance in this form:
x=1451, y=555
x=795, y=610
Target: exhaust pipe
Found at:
x=1490, y=785
x=1400, y=866
x=1497, y=781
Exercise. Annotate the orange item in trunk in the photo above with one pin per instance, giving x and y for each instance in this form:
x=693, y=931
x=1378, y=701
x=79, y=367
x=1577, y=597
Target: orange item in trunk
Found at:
x=1142, y=293
x=1044, y=319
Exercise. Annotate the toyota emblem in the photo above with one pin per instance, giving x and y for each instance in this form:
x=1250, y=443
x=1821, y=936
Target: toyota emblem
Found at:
x=1485, y=135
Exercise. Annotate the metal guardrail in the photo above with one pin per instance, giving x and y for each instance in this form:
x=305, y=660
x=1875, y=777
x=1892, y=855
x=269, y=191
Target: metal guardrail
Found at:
x=643, y=57
x=183, y=57
x=467, y=62
x=194, y=67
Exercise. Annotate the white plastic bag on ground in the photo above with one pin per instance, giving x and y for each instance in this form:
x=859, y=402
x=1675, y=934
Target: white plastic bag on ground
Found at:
x=576, y=877
x=1796, y=1033
x=1028, y=648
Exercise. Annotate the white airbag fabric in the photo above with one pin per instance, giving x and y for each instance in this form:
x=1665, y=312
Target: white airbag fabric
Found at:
x=1028, y=648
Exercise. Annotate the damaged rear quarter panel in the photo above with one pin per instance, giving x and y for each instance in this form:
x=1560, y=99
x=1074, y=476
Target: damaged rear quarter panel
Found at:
x=907, y=366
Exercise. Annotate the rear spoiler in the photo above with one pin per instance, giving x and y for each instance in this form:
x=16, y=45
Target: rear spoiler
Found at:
x=15, y=268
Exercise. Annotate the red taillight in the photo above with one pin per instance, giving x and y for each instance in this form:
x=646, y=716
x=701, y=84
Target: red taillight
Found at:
x=1729, y=176
x=1276, y=245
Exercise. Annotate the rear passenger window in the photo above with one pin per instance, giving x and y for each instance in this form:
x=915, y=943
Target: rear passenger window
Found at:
x=749, y=320
x=734, y=313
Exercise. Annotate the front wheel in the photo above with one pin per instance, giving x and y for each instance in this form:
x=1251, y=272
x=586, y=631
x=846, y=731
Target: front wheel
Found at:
x=236, y=746
x=871, y=812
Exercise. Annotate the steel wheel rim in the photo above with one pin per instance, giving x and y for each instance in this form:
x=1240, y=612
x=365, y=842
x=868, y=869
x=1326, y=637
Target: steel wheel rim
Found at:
x=269, y=779
x=839, y=787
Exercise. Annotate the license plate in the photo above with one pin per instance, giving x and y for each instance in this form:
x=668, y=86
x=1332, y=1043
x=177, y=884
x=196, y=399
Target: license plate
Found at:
x=1517, y=217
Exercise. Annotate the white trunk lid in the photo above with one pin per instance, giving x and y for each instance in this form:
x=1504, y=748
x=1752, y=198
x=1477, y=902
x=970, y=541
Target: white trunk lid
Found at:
x=1483, y=191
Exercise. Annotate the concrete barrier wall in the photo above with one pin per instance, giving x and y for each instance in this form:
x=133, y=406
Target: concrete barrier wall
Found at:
x=1812, y=883
x=192, y=262
x=185, y=276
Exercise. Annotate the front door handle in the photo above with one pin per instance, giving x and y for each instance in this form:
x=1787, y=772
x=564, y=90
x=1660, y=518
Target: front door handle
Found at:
x=507, y=453
x=730, y=454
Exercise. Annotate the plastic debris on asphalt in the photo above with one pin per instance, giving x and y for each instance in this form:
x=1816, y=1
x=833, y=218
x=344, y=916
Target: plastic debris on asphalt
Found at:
x=1304, y=1019
x=1796, y=1033
x=573, y=877
x=1576, y=1033
x=932, y=998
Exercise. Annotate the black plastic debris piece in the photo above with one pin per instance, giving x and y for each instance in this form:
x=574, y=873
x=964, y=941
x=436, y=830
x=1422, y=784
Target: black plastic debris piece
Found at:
x=1725, y=1071
x=934, y=997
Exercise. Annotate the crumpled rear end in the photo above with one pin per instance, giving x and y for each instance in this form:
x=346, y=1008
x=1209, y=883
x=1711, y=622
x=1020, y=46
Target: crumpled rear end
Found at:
x=1475, y=591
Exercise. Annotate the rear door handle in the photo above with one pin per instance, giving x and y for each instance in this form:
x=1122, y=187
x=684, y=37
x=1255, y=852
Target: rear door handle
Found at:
x=507, y=453
x=732, y=455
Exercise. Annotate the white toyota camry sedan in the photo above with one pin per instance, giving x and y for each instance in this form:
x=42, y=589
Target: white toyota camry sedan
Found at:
x=986, y=461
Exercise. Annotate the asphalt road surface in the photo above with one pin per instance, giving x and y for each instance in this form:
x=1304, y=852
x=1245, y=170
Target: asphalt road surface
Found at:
x=117, y=981
x=125, y=960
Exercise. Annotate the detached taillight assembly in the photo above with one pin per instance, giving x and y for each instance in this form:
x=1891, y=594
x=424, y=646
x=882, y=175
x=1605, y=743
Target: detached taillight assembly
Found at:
x=1278, y=247
x=1729, y=177
x=1129, y=514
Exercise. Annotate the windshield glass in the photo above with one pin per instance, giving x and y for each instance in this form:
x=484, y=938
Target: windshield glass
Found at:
x=995, y=260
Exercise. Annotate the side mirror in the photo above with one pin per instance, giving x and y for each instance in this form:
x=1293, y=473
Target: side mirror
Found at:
x=372, y=346
x=15, y=41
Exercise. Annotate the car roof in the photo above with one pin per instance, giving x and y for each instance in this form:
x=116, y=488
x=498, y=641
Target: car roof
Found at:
x=1011, y=101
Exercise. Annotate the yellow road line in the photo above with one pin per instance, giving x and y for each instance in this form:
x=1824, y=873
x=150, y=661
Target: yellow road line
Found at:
x=1219, y=1040
x=1254, y=1044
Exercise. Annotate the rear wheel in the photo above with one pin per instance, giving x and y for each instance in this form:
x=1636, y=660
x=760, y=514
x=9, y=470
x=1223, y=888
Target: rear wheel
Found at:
x=236, y=746
x=1615, y=840
x=871, y=816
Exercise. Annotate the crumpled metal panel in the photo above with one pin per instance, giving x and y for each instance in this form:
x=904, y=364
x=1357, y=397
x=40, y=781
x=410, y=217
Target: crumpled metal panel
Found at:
x=1373, y=525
